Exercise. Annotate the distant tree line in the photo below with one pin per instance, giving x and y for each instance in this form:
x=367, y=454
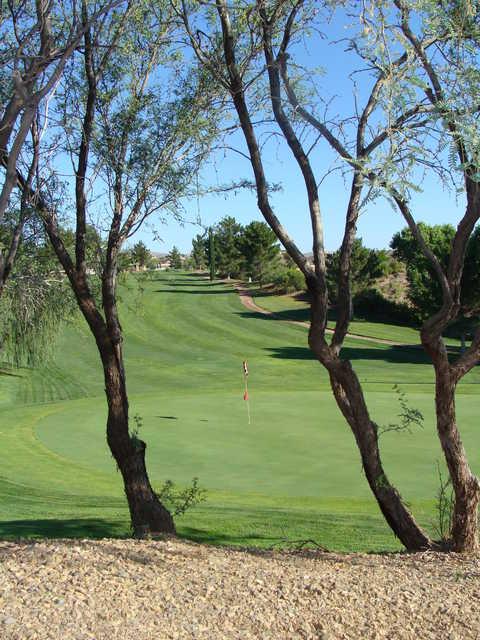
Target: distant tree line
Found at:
x=231, y=250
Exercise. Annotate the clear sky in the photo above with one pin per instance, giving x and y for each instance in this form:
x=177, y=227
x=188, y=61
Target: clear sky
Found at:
x=378, y=221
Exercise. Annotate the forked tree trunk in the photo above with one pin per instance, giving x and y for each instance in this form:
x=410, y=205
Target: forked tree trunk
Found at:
x=351, y=402
x=464, y=533
x=344, y=381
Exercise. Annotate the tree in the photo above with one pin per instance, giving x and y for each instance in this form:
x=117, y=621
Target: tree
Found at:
x=199, y=254
x=38, y=40
x=260, y=250
x=141, y=255
x=424, y=289
x=229, y=259
x=211, y=254
x=37, y=43
x=366, y=265
x=35, y=299
x=175, y=258
x=133, y=124
x=413, y=102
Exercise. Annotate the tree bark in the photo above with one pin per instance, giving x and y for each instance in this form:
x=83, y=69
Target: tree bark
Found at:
x=148, y=515
x=351, y=401
x=466, y=487
x=344, y=381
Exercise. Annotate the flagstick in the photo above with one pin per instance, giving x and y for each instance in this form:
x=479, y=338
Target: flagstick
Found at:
x=248, y=399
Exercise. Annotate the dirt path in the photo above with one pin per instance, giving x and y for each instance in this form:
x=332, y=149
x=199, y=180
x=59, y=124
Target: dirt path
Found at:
x=249, y=303
x=132, y=590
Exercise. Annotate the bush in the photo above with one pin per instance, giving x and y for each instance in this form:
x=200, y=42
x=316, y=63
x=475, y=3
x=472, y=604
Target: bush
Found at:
x=370, y=304
x=289, y=280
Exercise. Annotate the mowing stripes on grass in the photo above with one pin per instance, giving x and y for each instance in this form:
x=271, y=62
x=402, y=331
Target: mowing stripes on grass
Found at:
x=293, y=473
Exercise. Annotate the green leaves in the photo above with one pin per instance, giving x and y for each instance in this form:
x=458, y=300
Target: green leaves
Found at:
x=424, y=291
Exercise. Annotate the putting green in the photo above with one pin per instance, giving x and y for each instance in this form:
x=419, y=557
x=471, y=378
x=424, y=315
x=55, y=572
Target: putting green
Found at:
x=292, y=473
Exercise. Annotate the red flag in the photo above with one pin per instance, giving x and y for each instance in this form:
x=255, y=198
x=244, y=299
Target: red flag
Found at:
x=245, y=395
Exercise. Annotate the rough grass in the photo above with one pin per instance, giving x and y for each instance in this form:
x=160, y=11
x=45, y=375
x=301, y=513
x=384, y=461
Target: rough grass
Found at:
x=294, y=473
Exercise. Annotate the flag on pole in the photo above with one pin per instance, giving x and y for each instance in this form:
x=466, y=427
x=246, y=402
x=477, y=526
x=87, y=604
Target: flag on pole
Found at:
x=245, y=395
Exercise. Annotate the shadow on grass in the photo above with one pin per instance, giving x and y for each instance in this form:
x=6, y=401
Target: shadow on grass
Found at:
x=189, y=277
x=303, y=315
x=252, y=530
x=191, y=282
x=275, y=528
x=59, y=528
x=288, y=315
x=221, y=539
x=200, y=290
x=401, y=355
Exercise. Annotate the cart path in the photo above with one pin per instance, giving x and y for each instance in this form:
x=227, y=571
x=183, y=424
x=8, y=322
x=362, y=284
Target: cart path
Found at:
x=248, y=302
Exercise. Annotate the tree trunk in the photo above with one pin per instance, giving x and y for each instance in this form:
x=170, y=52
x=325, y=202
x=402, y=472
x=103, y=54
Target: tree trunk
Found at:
x=148, y=515
x=464, y=533
x=351, y=402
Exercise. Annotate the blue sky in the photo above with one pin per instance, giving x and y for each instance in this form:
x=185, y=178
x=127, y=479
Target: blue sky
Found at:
x=378, y=221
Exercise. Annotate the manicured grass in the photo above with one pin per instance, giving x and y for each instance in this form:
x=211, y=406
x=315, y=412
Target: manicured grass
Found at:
x=293, y=473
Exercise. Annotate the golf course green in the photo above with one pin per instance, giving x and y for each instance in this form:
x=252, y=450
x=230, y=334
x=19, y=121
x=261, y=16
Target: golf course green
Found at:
x=292, y=474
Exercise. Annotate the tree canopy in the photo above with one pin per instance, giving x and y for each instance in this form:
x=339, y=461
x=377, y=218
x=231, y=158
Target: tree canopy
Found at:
x=140, y=254
x=240, y=251
x=366, y=265
x=175, y=258
x=424, y=289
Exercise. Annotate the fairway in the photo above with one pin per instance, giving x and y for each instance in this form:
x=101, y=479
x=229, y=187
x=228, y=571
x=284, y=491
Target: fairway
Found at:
x=293, y=473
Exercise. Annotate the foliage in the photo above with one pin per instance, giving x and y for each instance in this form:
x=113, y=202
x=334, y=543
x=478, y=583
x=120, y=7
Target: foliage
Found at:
x=409, y=416
x=288, y=280
x=233, y=250
x=175, y=258
x=140, y=255
x=199, y=252
x=227, y=237
x=424, y=290
x=179, y=501
x=135, y=432
x=371, y=304
x=211, y=254
x=444, y=506
x=35, y=301
x=261, y=251
x=366, y=265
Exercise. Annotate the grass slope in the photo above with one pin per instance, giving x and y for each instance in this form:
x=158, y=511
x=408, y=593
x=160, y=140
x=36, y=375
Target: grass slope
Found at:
x=294, y=473
x=293, y=307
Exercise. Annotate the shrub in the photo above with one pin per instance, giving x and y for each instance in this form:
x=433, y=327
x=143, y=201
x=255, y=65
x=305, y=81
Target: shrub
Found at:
x=371, y=304
x=289, y=280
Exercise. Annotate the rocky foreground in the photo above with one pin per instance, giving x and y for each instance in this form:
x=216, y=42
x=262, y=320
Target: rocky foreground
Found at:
x=143, y=590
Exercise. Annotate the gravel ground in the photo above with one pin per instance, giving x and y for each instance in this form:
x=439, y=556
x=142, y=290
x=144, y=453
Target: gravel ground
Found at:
x=143, y=590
